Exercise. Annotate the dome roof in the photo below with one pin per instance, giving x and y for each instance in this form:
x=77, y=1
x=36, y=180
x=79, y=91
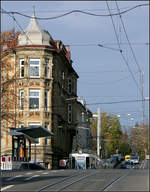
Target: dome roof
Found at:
x=33, y=34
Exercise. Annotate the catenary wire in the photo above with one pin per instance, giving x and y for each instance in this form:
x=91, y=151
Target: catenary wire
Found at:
x=13, y=17
x=123, y=25
x=75, y=11
x=67, y=10
x=110, y=82
x=121, y=51
x=87, y=104
x=135, y=59
x=123, y=43
x=100, y=103
x=117, y=102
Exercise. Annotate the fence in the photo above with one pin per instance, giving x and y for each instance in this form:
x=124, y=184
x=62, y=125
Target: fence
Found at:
x=6, y=163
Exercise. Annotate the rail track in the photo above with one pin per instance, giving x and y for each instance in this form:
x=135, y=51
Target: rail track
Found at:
x=75, y=181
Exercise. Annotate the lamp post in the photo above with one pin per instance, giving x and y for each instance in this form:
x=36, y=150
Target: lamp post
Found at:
x=98, y=131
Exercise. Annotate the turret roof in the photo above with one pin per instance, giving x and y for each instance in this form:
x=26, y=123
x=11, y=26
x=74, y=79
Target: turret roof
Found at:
x=33, y=34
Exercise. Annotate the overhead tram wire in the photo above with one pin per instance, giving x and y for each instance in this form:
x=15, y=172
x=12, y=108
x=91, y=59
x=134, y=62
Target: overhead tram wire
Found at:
x=127, y=37
x=104, y=44
x=13, y=17
x=67, y=10
x=117, y=102
x=100, y=103
x=135, y=59
x=121, y=51
x=75, y=11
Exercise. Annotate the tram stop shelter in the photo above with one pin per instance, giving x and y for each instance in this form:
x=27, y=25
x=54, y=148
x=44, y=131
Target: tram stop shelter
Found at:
x=22, y=139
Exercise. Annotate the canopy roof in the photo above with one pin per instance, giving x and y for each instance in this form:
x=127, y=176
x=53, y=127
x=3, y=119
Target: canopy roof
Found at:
x=31, y=132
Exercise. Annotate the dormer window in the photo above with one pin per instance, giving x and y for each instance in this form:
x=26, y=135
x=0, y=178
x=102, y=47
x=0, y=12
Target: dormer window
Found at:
x=34, y=68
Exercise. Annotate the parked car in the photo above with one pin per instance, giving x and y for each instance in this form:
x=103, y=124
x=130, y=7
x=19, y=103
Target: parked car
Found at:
x=134, y=159
x=31, y=166
x=126, y=165
x=118, y=157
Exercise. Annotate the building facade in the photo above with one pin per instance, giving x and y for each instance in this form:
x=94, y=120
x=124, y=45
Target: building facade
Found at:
x=83, y=137
x=43, y=82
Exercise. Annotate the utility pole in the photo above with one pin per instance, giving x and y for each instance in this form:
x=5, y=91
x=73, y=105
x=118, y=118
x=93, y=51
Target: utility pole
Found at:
x=98, y=131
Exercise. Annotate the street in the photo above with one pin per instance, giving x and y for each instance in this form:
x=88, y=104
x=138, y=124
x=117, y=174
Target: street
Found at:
x=78, y=180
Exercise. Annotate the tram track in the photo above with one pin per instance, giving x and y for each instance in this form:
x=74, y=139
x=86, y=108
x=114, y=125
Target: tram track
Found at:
x=68, y=178
x=71, y=183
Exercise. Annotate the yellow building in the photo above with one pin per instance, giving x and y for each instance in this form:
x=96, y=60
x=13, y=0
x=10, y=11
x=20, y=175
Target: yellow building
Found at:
x=44, y=80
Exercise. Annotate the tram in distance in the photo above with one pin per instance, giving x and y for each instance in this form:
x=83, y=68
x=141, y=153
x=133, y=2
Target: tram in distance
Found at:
x=83, y=161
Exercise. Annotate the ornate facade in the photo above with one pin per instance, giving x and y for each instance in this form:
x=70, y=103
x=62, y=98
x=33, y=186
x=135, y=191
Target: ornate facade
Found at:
x=44, y=81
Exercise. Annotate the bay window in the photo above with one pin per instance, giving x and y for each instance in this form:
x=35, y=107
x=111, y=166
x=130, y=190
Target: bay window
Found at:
x=34, y=99
x=21, y=68
x=46, y=68
x=34, y=68
x=21, y=99
x=46, y=100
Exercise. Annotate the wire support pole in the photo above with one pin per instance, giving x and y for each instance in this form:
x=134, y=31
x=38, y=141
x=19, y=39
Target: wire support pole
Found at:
x=98, y=131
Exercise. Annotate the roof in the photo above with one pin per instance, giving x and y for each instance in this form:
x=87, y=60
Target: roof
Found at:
x=35, y=131
x=17, y=134
x=33, y=34
x=32, y=132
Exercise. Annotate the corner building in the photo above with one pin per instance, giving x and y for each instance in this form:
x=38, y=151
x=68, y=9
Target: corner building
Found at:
x=45, y=80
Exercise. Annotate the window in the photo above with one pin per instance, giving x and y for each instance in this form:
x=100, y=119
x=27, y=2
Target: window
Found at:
x=46, y=100
x=46, y=139
x=34, y=99
x=63, y=75
x=21, y=99
x=21, y=68
x=62, y=79
x=69, y=113
x=70, y=86
x=46, y=68
x=34, y=68
x=38, y=139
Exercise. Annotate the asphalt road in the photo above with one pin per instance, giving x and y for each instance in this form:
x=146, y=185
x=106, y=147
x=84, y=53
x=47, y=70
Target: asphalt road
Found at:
x=77, y=180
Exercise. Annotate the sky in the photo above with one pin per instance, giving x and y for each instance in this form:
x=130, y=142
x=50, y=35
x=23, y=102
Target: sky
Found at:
x=105, y=75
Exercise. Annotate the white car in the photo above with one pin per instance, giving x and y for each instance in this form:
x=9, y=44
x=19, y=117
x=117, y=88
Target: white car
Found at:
x=134, y=159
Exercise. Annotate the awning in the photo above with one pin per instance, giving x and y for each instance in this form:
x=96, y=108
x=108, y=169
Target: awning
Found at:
x=16, y=133
x=35, y=131
x=32, y=132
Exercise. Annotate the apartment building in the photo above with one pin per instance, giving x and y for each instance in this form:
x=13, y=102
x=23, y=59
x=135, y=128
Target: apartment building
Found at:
x=83, y=137
x=44, y=80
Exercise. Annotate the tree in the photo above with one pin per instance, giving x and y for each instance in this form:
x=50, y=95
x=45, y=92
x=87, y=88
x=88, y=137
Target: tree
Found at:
x=110, y=134
x=139, y=140
x=124, y=146
x=8, y=42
